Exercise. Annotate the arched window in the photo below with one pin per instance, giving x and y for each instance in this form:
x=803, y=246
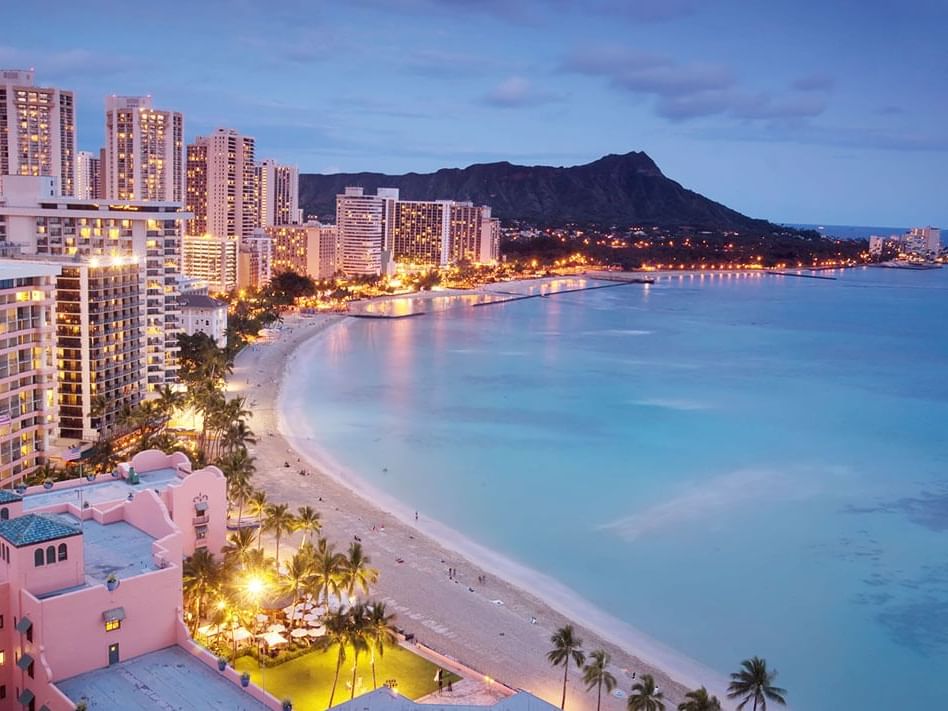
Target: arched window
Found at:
x=50, y=555
x=63, y=551
x=38, y=557
x=4, y=513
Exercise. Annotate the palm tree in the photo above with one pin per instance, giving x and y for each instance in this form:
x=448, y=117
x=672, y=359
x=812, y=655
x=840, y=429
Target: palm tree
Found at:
x=358, y=638
x=237, y=466
x=327, y=570
x=242, y=541
x=299, y=571
x=755, y=682
x=308, y=521
x=170, y=400
x=257, y=506
x=239, y=492
x=595, y=673
x=380, y=633
x=337, y=632
x=698, y=700
x=237, y=436
x=279, y=521
x=356, y=573
x=645, y=695
x=567, y=647
x=200, y=576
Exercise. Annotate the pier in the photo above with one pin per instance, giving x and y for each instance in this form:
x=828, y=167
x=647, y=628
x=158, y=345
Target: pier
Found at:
x=802, y=276
x=521, y=297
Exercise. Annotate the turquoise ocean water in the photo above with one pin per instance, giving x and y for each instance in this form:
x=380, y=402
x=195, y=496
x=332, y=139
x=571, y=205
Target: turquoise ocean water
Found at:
x=733, y=465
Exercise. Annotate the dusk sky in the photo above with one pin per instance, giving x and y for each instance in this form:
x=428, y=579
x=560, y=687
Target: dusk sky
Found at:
x=795, y=111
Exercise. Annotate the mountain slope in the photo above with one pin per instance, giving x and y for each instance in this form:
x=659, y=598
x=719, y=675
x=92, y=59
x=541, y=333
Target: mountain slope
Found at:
x=616, y=189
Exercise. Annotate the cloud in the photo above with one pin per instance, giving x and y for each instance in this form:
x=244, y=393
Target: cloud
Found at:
x=814, y=82
x=517, y=93
x=683, y=91
x=442, y=64
x=68, y=63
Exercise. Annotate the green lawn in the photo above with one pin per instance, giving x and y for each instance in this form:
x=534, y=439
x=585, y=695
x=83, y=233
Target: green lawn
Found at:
x=307, y=680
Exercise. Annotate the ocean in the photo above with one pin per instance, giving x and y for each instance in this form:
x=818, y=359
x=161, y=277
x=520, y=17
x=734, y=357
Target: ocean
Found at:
x=734, y=465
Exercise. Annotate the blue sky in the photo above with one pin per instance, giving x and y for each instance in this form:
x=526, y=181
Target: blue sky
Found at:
x=830, y=112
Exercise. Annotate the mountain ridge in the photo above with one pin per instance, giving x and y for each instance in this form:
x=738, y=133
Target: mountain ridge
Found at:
x=620, y=189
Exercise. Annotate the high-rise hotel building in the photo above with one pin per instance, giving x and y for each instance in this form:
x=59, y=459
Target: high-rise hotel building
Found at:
x=27, y=366
x=36, y=220
x=37, y=130
x=308, y=249
x=88, y=176
x=278, y=194
x=144, y=151
x=222, y=197
x=375, y=231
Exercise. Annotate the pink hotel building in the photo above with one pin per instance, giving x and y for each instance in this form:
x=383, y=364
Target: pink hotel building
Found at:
x=91, y=592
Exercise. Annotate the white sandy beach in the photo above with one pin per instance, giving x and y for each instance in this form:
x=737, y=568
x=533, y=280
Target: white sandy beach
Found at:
x=499, y=640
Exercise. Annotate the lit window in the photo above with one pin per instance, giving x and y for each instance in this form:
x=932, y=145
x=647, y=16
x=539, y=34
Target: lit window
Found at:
x=111, y=625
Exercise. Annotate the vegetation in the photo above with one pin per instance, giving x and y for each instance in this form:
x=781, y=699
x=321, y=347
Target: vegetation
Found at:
x=645, y=695
x=567, y=647
x=755, y=683
x=596, y=674
x=699, y=700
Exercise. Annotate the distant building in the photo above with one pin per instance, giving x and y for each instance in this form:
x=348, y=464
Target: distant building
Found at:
x=35, y=219
x=144, y=151
x=27, y=366
x=255, y=261
x=213, y=260
x=37, y=130
x=374, y=232
x=202, y=314
x=361, y=225
x=278, y=194
x=88, y=176
x=922, y=241
x=222, y=185
x=876, y=245
x=308, y=249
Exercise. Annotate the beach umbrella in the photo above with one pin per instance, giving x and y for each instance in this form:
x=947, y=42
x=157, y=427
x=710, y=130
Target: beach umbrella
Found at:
x=276, y=628
x=289, y=610
x=316, y=631
x=262, y=618
x=312, y=617
x=273, y=639
x=297, y=633
x=209, y=630
x=240, y=634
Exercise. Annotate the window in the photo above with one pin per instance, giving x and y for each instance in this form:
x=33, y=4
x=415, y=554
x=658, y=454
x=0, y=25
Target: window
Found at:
x=3, y=657
x=3, y=691
x=63, y=551
x=50, y=554
x=4, y=513
x=38, y=557
x=29, y=634
x=112, y=625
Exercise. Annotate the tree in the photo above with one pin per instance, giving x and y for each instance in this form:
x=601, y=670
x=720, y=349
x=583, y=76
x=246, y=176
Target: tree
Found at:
x=356, y=573
x=337, y=632
x=308, y=521
x=754, y=682
x=237, y=436
x=239, y=492
x=699, y=700
x=327, y=570
x=567, y=647
x=299, y=571
x=380, y=633
x=595, y=673
x=170, y=400
x=257, y=506
x=279, y=521
x=358, y=638
x=200, y=576
x=645, y=695
x=242, y=544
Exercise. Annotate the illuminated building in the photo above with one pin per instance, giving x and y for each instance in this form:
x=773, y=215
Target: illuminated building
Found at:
x=212, y=260
x=308, y=249
x=222, y=185
x=255, y=261
x=278, y=194
x=37, y=130
x=202, y=314
x=27, y=368
x=35, y=220
x=144, y=150
x=88, y=176
x=361, y=225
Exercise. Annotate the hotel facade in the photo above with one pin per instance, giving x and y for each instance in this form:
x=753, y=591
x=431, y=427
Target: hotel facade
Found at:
x=374, y=232
x=37, y=130
x=144, y=151
x=308, y=249
x=278, y=194
x=35, y=220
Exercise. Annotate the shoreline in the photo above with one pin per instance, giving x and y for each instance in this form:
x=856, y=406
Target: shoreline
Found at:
x=425, y=549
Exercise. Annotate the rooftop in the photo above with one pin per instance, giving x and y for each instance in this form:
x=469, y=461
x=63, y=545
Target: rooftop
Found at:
x=101, y=491
x=167, y=679
x=8, y=497
x=200, y=301
x=117, y=549
x=383, y=699
x=30, y=529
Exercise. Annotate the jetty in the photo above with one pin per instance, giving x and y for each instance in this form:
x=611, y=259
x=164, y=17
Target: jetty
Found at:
x=802, y=276
x=522, y=297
